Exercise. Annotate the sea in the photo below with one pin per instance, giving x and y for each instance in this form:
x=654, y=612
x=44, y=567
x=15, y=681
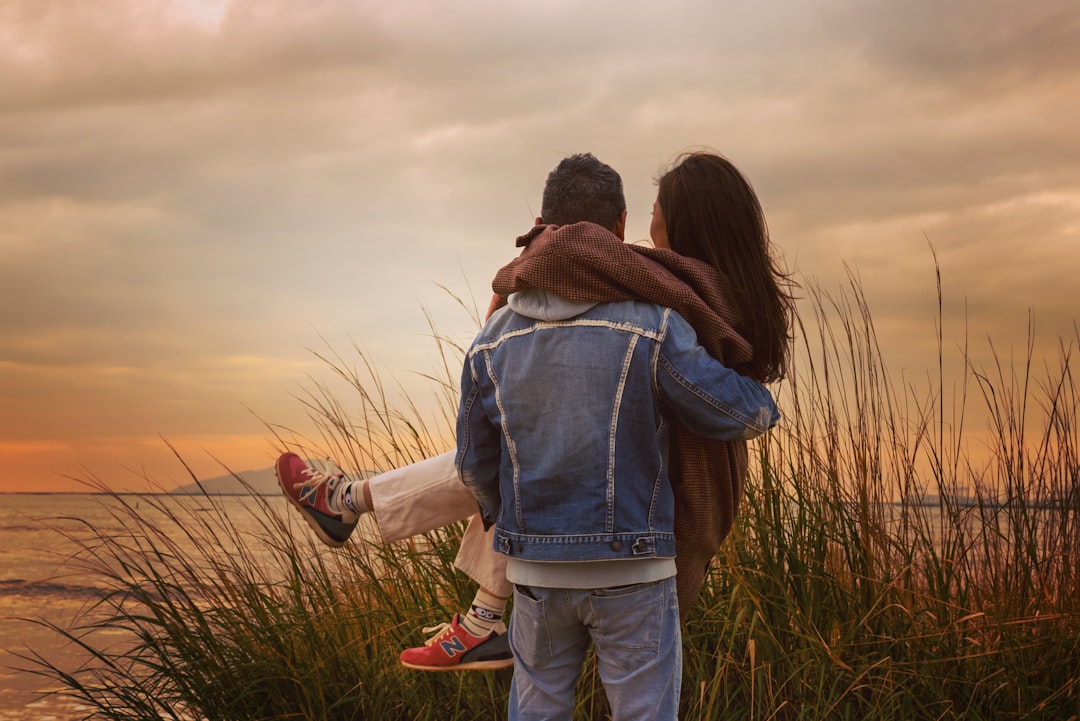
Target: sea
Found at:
x=39, y=581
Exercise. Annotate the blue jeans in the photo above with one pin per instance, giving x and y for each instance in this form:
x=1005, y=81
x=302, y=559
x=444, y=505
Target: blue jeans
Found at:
x=638, y=641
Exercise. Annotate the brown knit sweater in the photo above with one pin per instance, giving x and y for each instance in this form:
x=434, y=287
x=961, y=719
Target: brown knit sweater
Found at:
x=585, y=262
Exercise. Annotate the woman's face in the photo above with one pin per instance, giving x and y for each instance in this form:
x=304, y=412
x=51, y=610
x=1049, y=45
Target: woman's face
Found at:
x=658, y=228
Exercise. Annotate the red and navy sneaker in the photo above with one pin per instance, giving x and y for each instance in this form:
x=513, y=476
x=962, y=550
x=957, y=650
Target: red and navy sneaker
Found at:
x=452, y=648
x=312, y=491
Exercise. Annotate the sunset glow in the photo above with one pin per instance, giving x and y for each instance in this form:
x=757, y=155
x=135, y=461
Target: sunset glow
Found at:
x=196, y=198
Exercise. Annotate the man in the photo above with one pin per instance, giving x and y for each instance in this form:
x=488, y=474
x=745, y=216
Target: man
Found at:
x=563, y=438
x=429, y=494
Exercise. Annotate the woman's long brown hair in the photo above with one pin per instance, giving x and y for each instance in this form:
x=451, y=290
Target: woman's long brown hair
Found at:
x=712, y=214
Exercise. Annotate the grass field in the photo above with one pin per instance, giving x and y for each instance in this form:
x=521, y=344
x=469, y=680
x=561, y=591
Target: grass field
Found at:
x=880, y=569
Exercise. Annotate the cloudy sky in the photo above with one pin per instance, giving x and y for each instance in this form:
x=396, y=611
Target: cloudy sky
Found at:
x=195, y=194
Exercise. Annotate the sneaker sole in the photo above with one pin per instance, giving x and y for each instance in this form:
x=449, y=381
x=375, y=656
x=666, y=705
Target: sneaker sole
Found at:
x=312, y=523
x=467, y=666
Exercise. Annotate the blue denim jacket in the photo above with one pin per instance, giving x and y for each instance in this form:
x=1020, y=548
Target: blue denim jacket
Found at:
x=562, y=429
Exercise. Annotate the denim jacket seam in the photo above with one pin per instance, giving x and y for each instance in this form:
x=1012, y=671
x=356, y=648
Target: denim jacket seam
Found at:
x=664, y=326
x=716, y=403
x=505, y=429
x=466, y=412
x=464, y=443
x=637, y=329
x=613, y=431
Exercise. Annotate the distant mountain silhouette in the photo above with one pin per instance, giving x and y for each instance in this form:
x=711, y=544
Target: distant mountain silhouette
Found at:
x=261, y=482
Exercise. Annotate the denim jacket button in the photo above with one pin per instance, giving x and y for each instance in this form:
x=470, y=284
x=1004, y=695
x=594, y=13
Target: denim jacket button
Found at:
x=616, y=545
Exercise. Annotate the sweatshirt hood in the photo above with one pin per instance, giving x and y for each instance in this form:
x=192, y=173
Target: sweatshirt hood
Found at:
x=540, y=304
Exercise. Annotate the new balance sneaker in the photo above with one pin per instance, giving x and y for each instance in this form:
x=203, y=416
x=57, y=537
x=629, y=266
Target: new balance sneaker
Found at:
x=452, y=648
x=311, y=491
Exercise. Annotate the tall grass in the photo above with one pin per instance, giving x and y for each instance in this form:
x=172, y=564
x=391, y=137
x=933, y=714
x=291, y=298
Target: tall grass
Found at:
x=859, y=582
x=200, y=620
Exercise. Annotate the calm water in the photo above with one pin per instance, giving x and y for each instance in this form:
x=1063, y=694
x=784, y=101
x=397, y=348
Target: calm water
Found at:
x=38, y=581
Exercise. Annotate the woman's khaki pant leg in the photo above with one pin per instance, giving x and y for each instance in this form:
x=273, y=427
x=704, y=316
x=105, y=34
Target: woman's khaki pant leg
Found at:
x=427, y=495
x=419, y=498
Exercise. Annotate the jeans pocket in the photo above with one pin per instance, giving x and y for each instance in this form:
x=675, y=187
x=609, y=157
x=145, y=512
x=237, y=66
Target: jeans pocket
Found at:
x=628, y=622
x=528, y=625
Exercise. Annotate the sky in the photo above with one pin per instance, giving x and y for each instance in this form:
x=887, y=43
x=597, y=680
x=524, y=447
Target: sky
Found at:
x=199, y=198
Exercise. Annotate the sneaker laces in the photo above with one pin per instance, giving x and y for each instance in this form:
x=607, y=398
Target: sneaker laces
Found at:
x=436, y=631
x=316, y=477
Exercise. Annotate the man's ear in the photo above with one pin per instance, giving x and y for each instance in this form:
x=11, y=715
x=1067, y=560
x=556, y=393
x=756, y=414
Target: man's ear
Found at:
x=620, y=227
x=539, y=221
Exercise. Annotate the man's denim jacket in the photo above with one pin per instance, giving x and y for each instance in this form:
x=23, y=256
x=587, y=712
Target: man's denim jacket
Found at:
x=563, y=424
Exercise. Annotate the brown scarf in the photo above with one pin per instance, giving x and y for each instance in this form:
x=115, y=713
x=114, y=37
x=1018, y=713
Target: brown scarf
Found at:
x=584, y=262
